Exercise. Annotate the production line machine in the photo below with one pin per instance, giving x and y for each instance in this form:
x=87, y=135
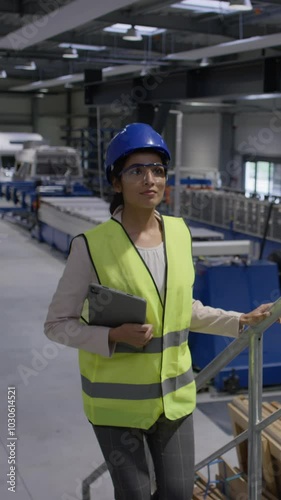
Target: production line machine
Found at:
x=227, y=276
x=62, y=218
x=237, y=284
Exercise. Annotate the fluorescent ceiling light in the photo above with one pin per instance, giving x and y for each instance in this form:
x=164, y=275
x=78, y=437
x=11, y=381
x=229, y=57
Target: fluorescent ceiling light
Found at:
x=143, y=30
x=204, y=6
x=44, y=90
x=207, y=104
x=118, y=28
x=80, y=46
x=149, y=30
x=257, y=97
x=70, y=53
x=239, y=5
x=29, y=66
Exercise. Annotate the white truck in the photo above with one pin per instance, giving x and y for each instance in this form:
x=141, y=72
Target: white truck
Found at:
x=47, y=163
x=10, y=144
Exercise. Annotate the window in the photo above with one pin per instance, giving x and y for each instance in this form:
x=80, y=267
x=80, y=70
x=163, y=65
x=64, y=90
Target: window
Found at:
x=57, y=165
x=8, y=161
x=263, y=177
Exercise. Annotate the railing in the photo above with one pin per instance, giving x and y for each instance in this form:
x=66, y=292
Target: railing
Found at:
x=252, y=337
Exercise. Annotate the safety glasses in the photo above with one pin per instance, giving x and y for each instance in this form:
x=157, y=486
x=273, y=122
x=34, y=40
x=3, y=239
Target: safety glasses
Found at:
x=139, y=171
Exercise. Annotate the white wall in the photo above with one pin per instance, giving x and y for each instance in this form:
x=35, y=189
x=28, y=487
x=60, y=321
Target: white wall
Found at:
x=201, y=134
x=15, y=112
x=258, y=133
x=50, y=127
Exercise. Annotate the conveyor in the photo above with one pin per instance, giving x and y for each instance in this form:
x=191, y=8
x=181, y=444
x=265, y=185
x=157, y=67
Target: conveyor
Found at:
x=62, y=218
x=73, y=215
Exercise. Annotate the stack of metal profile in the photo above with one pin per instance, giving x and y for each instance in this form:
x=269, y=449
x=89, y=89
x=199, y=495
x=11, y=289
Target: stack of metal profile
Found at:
x=222, y=209
x=73, y=215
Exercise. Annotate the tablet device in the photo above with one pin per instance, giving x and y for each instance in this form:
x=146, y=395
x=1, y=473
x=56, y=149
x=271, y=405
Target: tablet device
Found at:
x=110, y=307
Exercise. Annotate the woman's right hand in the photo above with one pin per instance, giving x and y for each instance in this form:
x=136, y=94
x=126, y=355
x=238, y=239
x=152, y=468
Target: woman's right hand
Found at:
x=132, y=333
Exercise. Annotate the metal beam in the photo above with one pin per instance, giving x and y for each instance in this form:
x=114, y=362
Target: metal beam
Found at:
x=59, y=20
x=227, y=81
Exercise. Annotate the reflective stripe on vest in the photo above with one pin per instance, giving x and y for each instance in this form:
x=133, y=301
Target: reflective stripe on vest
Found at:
x=134, y=386
x=136, y=392
x=157, y=344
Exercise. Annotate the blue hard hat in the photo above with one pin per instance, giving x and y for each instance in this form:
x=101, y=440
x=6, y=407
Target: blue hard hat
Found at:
x=133, y=137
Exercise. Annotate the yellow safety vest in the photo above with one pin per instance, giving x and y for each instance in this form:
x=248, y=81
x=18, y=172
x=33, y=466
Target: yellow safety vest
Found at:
x=134, y=387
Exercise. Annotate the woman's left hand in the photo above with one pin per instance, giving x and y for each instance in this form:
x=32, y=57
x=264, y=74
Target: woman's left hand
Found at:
x=256, y=316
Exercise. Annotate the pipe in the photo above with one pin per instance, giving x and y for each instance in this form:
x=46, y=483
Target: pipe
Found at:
x=99, y=152
x=255, y=416
x=178, y=160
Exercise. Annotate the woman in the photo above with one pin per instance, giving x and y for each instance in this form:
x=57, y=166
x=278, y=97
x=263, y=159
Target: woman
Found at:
x=131, y=394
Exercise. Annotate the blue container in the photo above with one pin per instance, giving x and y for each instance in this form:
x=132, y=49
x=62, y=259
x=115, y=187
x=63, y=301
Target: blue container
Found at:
x=237, y=288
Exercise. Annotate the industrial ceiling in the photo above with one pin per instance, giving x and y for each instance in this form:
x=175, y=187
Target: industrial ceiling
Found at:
x=174, y=37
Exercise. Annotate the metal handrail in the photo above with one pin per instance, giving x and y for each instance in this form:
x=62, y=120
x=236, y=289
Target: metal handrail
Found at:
x=253, y=337
x=237, y=440
x=248, y=336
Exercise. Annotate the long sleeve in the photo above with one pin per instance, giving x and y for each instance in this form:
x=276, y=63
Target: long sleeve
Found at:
x=62, y=323
x=206, y=319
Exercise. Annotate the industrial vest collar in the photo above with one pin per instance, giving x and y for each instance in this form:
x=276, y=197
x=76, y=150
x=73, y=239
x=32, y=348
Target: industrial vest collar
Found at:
x=134, y=386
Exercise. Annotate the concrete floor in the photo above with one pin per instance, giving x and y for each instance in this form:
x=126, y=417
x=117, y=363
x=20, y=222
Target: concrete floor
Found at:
x=56, y=447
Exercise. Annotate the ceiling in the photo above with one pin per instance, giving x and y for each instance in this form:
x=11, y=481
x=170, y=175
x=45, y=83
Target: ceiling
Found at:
x=31, y=32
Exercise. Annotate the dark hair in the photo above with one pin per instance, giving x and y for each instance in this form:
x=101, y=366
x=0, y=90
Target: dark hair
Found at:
x=115, y=202
x=118, y=197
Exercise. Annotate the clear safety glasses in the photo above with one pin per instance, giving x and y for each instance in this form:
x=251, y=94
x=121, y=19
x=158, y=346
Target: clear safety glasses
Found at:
x=139, y=171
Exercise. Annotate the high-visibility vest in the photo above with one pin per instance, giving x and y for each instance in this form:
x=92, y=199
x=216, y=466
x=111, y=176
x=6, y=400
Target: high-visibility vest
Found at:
x=135, y=386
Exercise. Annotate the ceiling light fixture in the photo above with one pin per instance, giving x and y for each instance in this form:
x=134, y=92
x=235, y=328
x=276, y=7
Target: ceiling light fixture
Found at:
x=205, y=61
x=256, y=97
x=142, y=30
x=240, y=5
x=29, y=66
x=207, y=104
x=132, y=35
x=80, y=46
x=3, y=74
x=70, y=53
x=220, y=7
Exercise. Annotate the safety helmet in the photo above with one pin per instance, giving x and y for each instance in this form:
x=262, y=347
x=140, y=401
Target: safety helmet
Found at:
x=133, y=137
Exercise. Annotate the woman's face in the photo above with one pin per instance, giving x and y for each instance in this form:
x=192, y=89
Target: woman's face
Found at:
x=142, y=186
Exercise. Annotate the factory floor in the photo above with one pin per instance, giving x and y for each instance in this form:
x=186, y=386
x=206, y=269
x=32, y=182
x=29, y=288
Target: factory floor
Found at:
x=55, y=447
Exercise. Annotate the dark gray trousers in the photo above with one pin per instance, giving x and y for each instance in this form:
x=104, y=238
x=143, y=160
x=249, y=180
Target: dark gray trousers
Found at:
x=171, y=444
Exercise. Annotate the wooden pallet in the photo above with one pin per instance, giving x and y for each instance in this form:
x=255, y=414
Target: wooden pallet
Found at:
x=271, y=444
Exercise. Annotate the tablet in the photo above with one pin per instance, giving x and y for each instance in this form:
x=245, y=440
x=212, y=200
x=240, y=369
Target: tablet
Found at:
x=110, y=307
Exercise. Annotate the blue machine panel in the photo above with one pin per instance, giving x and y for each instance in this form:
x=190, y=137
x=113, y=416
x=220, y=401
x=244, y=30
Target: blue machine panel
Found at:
x=237, y=288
